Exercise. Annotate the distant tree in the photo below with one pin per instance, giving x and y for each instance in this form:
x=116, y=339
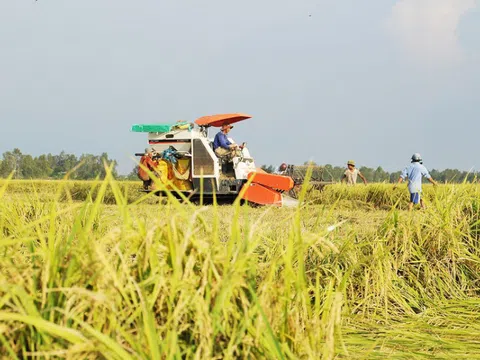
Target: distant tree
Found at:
x=380, y=175
x=7, y=166
x=369, y=173
x=12, y=161
x=92, y=166
x=44, y=166
x=437, y=175
x=106, y=161
x=30, y=168
x=87, y=167
x=452, y=176
x=52, y=162
x=394, y=176
x=469, y=176
x=63, y=163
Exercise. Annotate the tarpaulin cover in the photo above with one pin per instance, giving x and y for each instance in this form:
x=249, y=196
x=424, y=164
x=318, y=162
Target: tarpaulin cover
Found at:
x=157, y=128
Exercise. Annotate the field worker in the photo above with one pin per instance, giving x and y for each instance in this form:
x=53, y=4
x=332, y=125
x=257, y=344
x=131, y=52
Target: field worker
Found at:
x=282, y=169
x=148, y=163
x=350, y=175
x=221, y=145
x=415, y=172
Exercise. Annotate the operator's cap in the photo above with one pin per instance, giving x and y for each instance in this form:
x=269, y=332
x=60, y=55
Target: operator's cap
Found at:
x=351, y=162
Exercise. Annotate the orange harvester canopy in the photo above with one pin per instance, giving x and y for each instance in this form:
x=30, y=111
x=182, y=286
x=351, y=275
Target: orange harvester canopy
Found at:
x=221, y=119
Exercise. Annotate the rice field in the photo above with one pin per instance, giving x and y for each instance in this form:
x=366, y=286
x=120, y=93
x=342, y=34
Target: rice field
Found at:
x=97, y=270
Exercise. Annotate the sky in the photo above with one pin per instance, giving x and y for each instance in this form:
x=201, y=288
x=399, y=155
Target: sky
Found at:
x=325, y=80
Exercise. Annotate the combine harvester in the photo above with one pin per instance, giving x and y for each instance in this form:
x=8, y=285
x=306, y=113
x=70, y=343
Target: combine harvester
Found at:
x=186, y=164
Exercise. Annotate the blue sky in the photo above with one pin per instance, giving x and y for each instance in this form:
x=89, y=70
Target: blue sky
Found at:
x=327, y=80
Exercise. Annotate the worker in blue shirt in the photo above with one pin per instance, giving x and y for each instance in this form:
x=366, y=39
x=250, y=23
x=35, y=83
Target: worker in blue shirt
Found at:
x=415, y=172
x=221, y=145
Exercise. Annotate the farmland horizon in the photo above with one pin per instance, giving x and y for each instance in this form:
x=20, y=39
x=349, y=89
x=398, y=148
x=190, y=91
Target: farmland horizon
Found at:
x=55, y=166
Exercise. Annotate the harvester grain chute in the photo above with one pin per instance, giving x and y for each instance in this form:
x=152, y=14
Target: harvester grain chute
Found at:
x=186, y=165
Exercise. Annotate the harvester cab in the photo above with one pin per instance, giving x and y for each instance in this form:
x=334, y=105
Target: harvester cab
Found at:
x=186, y=164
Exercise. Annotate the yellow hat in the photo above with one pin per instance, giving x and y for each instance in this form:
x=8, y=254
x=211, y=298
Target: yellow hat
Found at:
x=351, y=162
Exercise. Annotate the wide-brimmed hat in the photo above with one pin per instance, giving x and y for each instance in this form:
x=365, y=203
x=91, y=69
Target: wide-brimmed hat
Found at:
x=417, y=158
x=351, y=162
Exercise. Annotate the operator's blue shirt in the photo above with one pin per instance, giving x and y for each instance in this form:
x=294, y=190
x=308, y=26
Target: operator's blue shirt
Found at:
x=415, y=172
x=221, y=140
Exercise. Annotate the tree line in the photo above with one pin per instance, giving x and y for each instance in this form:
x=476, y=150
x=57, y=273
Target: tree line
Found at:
x=89, y=166
x=48, y=166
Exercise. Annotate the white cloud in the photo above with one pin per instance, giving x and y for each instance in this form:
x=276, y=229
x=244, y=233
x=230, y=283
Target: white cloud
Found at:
x=428, y=28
